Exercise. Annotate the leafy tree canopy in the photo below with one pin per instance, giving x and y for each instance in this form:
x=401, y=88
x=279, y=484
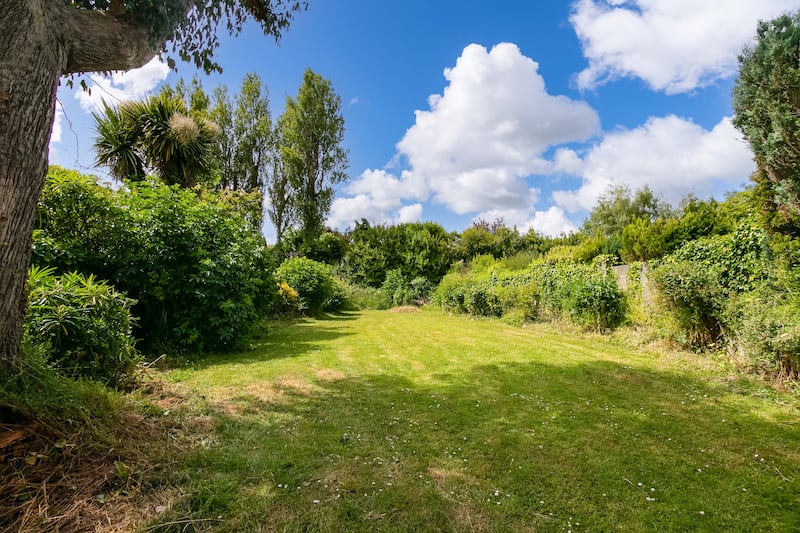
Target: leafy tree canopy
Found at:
x=618, y=207
x=767, y=106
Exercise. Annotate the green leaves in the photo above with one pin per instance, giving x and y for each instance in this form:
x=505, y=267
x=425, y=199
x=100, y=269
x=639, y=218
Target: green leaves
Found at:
x=312, y=281
x=578, y=292
x=82, y=324
x=310, y=134
x=195, y=265
x=766, y=103
x=416, y=249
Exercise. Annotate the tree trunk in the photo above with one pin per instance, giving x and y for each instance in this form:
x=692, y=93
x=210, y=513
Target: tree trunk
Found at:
x=41, y=40
x=30, y=67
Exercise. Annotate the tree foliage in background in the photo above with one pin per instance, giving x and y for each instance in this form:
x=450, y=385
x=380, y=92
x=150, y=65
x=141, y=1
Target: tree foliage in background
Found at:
x=492, y=238
x=311, y=131
x=246, y=142
x=281, y=209
x=618, y=207
x=766, y=102
x=421, y=249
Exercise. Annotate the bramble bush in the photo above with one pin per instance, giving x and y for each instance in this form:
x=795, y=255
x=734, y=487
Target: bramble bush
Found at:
x=694, y=298
x=82, y=326
x=584, y=293
x=764, y=327
x=697, y=281
x=397, y=291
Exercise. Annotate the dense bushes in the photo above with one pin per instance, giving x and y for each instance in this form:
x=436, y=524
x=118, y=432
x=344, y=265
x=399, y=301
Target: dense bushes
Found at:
x=694, y=298
x=81, y=325
x=316, y=288
x=199, y=272
x=702, y=277
x=417, y=250
x=583, y=294
x=764, y=329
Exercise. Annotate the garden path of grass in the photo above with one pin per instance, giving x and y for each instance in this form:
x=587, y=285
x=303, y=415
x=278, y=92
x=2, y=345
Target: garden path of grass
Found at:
x=381, y=421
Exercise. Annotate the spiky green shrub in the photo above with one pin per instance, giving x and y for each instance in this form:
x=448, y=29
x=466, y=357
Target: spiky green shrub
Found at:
x=83, y=326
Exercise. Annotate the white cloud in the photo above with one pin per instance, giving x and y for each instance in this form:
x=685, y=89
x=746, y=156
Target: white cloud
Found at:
x=346, y=211
x=673, y=45
x=567, y=161
x=409, y=213
x=121, y=86
x=552, y=222
x=378, y=197
x=671, y=155
x=55, y=135
x=479, y=140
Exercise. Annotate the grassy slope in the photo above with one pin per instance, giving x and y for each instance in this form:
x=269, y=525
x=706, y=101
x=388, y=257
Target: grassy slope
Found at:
x=384, y=421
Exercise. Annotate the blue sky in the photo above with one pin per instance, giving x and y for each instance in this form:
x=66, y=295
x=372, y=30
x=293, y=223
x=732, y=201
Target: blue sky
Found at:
x=529, y=111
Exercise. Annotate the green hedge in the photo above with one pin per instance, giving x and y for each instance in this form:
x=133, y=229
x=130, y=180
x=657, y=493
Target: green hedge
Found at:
x=581, y=293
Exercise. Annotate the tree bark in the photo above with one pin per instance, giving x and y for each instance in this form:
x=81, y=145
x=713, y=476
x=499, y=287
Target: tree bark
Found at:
x=41, y=40
x=29, y=71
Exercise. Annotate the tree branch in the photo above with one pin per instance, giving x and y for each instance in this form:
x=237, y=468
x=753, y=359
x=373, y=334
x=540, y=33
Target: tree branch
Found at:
x=97, y=41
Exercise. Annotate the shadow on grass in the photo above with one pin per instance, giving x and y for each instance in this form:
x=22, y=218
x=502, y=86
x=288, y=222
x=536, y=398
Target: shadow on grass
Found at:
x=501, y=447
x=339, y=316
x=282, y=339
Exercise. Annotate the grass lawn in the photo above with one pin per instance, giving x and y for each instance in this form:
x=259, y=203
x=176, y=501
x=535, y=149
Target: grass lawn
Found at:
x=419, y=421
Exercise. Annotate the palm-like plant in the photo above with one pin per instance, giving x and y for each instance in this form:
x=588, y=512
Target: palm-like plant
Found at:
x=117, y=145
x=157, y=134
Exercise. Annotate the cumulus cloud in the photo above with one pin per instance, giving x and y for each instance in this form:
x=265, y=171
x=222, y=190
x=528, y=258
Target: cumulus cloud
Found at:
x=409, y=213
x=671, y=155
x=479, y=140
x=552, y=222
x=121, y=86
x=378, y=196
x=673, y=45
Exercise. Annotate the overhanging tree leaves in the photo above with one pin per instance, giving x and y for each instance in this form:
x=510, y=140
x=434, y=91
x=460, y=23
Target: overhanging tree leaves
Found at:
x=311, y=133
x=43, y=40
x=767, y=104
